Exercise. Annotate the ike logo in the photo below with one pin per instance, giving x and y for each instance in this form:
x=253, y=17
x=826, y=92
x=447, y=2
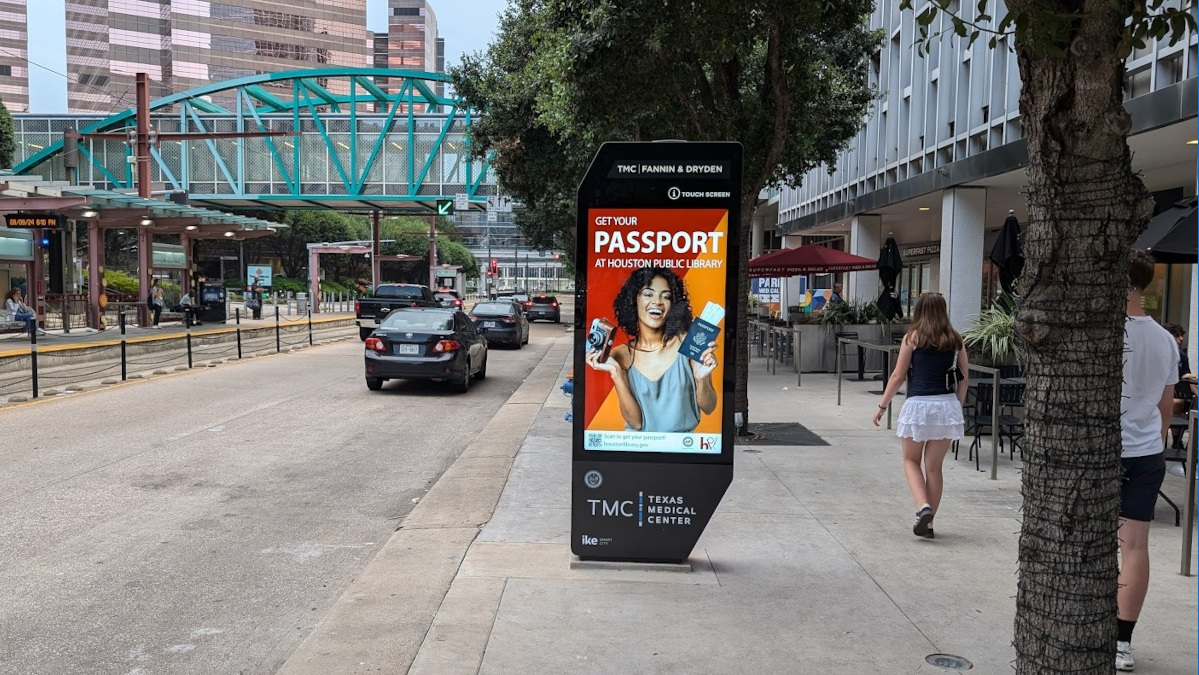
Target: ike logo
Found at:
x=590, y=541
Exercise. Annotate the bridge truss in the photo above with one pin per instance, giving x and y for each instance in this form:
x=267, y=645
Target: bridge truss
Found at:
x=357, y=140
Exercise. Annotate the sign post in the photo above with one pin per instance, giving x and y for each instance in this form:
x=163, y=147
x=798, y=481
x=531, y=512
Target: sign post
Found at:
x=658, y=252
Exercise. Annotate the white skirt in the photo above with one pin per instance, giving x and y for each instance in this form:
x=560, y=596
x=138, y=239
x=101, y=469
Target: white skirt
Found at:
x=931, y=418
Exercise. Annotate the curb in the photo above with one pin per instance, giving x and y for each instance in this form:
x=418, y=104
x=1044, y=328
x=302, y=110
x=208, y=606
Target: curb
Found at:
x=382, y=619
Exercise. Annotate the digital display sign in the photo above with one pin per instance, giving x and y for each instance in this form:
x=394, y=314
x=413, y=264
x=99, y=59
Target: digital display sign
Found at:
x=657, y=267
x=33, y=220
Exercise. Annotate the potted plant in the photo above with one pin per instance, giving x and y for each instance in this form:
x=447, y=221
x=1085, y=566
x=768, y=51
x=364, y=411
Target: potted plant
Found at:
x=992, y=339
x=863, y=318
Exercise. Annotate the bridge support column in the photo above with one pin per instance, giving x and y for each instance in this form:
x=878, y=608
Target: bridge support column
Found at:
x=145, y=272
x=375, y=263
x=185, y=283
x=314, y=280
x=95, y=273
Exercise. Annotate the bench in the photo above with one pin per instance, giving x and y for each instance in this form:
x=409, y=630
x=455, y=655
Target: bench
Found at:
x=9, y=324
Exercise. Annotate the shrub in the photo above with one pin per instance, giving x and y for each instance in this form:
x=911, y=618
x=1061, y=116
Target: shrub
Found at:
x=121, y=282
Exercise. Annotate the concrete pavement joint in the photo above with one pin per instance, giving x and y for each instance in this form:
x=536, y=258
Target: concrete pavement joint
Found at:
x=466, y=494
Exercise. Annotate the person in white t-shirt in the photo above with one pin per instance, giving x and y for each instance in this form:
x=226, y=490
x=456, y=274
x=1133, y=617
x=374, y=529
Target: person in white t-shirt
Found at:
x=1150, y=372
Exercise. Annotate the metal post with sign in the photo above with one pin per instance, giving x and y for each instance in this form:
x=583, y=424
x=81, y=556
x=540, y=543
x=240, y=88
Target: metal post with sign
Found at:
x=658, y=258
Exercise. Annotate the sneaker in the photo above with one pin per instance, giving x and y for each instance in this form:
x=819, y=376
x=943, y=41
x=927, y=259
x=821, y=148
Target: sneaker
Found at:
x=924, y=517
x=1124, y=656
x=930, y=534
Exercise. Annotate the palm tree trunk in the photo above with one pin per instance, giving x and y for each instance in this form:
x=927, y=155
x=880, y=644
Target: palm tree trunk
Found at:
x=1085, y=208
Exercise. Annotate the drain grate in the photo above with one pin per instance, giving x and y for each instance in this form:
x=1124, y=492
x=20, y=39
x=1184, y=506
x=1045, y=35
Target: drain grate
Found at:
x=949, y=661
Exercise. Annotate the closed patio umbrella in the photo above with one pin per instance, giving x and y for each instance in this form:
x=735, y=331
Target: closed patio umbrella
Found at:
x=1006, y=253
x=890, y=264
x=1170, y=235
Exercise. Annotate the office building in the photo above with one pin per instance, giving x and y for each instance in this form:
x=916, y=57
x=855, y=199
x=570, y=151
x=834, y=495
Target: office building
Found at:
x=411, y=42
x=939, y=163
x=184, y=44
x=14, y=50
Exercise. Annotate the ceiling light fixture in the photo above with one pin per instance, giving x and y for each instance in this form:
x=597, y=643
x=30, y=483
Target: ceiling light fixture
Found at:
x=229, y=234
x=88, y=213
x=147, y=222
x=192, y=228
x=1193, y=141
x=924, y=208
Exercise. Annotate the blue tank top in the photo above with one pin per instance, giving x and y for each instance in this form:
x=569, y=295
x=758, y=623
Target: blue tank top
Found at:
x=667, y=403
x=927, y=374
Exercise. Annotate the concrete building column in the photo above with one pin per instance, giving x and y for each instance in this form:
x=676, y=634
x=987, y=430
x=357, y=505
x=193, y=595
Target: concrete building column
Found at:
x=963, y=225
x=866, y=240
x=757, y=236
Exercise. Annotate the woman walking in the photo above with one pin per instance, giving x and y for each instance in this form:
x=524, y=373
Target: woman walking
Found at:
x=933, y=360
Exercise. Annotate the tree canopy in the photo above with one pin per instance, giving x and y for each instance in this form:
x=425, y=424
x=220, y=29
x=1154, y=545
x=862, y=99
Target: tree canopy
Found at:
x=786, y=78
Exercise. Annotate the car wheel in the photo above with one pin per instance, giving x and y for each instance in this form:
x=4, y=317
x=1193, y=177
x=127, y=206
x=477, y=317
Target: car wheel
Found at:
x=374, y=383
x=482, y=374
x=364, y=333
x=462, y=385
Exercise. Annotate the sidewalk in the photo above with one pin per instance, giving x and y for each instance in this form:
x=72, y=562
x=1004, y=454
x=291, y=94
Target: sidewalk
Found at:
x=809, y=566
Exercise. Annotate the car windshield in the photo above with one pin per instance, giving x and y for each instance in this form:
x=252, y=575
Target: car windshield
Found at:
x=398, y=292
x=502, y=308
x=402, y=320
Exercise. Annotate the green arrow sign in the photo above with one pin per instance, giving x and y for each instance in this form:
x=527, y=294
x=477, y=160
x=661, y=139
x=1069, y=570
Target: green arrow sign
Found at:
x=445, y=207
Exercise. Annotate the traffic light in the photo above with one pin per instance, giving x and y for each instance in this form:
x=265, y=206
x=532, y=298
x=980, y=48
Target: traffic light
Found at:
x=45, y=241
x=495, y=266
x=445, y=207
x=557, y=256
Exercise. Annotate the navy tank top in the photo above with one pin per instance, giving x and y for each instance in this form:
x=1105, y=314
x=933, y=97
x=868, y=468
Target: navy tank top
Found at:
x=927, y=374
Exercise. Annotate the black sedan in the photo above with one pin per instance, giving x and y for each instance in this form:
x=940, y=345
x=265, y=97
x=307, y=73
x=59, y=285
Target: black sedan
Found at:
x=544, y=307
x=428, y=343
x=501, y=322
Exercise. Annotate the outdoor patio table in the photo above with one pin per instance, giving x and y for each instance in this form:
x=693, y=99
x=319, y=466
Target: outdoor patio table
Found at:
x=862, y=345
x=994, y=372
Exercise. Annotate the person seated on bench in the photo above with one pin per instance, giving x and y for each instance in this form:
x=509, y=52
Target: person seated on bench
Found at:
x=16, y=306
x=189, y=309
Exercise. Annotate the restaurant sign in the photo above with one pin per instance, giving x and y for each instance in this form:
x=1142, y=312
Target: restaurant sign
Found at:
x=922, y=250
x=33, y=220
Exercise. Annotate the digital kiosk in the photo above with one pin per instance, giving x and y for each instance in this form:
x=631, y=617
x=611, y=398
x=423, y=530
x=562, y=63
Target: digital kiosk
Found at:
x=656, y=268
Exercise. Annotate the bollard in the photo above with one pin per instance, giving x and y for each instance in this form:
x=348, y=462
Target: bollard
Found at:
x=66, y=315
x=124, y=366
x=277, y=347
x=309, y=328
x=187, y=329
x=237, y=318
x=33, y=355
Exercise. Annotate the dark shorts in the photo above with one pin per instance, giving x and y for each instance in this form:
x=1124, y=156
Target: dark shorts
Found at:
x=1138, y=488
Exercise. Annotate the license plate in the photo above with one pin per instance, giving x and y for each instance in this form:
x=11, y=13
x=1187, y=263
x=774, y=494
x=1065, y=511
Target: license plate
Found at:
x=489, y=324
x=407, y=349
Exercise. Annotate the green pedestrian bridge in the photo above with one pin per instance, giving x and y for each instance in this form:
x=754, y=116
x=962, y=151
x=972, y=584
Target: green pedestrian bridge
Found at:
x=353, y=139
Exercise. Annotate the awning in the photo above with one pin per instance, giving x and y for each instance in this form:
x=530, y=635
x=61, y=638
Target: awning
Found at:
x=119, y=209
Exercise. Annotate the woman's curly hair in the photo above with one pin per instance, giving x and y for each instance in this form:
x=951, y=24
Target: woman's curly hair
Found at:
x=678, y=319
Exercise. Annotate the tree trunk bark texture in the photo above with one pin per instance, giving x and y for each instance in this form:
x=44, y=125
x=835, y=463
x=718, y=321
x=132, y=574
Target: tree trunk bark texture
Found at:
x=1085, y=207
x=741, y=397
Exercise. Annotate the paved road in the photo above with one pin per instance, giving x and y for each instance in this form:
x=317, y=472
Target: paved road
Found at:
x=203, y=522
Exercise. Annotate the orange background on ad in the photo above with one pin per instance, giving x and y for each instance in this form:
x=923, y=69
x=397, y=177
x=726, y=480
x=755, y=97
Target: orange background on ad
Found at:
x=602, y=409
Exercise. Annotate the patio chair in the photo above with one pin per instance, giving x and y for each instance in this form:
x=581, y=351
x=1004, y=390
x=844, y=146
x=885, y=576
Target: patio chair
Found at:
x=841, y=349
x=978, y=417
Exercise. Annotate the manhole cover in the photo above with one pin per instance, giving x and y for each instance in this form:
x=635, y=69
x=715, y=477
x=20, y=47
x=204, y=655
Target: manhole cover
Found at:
x=949, y=661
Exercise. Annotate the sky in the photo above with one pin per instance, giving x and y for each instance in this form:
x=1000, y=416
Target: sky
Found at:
x=467, y=26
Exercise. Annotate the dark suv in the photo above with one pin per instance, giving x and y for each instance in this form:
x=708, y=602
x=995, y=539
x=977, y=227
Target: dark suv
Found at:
x=544, y=307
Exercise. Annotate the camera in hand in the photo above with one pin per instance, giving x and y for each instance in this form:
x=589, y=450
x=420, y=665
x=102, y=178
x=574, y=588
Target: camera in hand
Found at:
x=600, y=337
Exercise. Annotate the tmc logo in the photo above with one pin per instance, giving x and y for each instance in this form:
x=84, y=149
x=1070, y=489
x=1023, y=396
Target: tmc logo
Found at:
x=603, y=507
x=590, y=541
